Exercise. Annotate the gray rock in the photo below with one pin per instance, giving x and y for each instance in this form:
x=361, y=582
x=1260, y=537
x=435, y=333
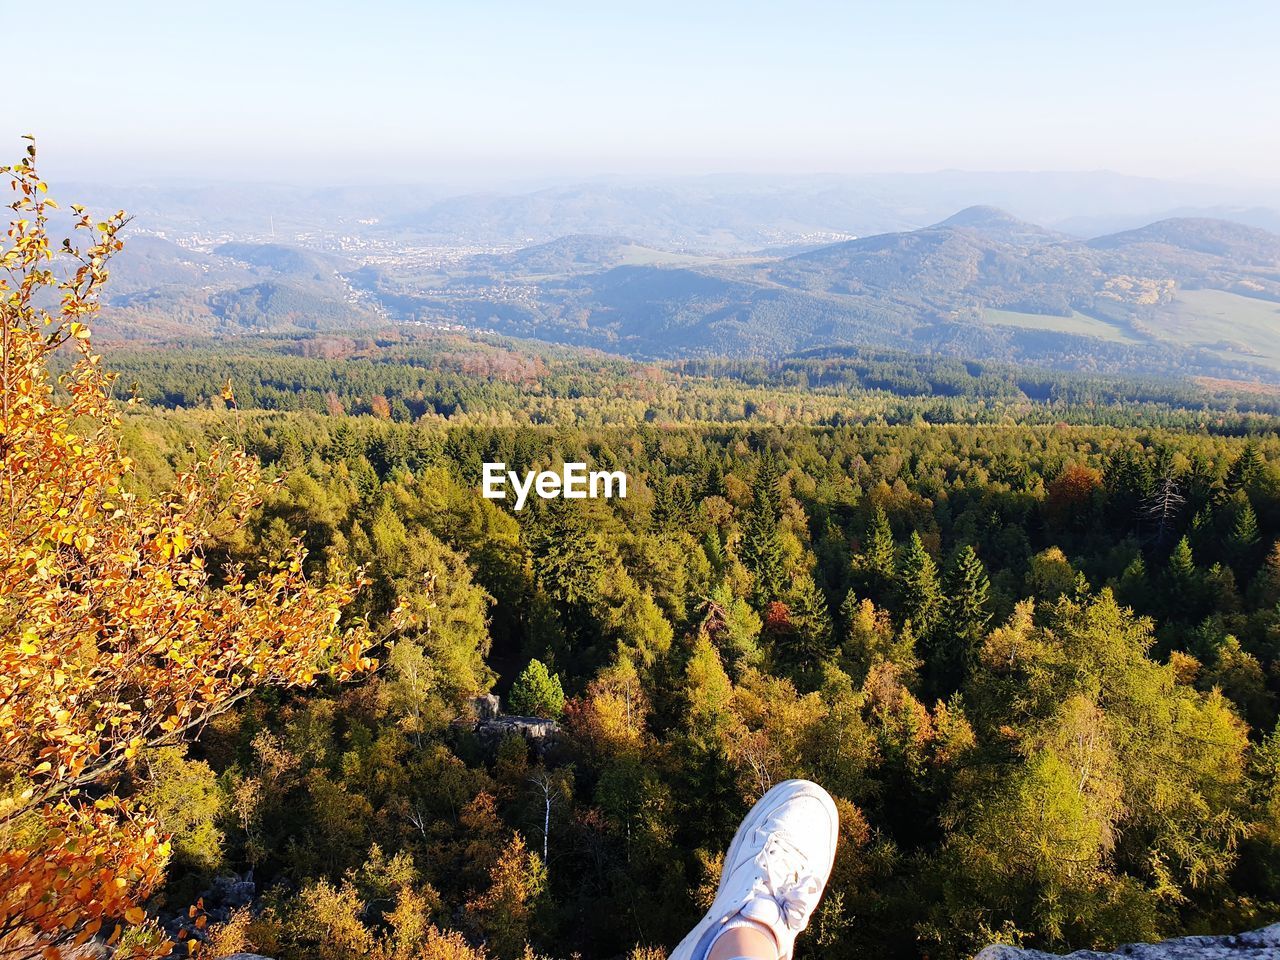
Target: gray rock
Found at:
x=1261, y=944
x=533, y=729
x=487, y=707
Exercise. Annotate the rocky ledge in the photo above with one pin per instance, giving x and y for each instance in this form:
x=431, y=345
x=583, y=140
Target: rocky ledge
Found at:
x=1254, y=945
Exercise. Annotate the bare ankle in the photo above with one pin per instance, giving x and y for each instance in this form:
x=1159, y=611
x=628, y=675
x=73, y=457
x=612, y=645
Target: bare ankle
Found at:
x=746, y=939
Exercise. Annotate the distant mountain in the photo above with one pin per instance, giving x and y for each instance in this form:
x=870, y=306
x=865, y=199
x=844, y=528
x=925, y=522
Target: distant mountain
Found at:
x=1190, y=295
x=719, y=214
x=1180, y=295
x=1243, y=245
x=159, y=288
x=148, y=263
x=1265, y=218
x=999, y=225
x=980, y=255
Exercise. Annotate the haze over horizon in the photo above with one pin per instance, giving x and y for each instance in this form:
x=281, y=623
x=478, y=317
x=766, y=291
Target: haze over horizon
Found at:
x=497, y=92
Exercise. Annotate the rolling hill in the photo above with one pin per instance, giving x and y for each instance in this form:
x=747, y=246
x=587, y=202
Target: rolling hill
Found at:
x=981, y=281
x=159, y=288
x=1182, y=295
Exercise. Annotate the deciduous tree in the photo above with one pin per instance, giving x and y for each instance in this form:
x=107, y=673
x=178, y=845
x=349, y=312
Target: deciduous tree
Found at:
x=115, y=636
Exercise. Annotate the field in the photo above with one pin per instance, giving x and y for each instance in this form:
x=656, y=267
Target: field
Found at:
x=1231, y=325
x=1078, y=323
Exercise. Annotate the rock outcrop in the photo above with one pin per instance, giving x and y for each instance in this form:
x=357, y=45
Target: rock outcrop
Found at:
x=537, y=731
x=1261, y=944
x=491, y=726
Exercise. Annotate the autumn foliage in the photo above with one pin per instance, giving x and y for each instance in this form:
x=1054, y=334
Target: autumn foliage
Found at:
x=115, y=636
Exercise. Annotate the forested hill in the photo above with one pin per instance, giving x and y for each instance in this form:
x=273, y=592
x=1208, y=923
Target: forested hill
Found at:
x=410, y=375
x=1188, y=296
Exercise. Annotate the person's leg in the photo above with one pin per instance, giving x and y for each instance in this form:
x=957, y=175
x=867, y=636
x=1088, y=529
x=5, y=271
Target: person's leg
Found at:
x=746, y=941
x=773, y=877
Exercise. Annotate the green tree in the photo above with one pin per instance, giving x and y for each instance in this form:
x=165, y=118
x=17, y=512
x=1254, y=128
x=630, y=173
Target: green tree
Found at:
x=809, y=643
x=1127, y=799
x=761, y=541
x=1182, y=579
x=1245, y=470
x=966, y=588
x=1243, y=544
x=734, y=627
x=537, y=692
x=869, y=640
x=918, y=588
x=185, y=799
x=878, y=559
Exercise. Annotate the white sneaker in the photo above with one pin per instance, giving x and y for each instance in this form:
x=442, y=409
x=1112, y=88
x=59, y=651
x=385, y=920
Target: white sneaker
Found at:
x=775, y=870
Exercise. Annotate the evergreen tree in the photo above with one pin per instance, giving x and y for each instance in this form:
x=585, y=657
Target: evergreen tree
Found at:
x=966, y=588
x=713, y=481
x=1244, y=535
x=761, y=541
x=1182, y=565
x=570, y=565
x=1200, y=535
x=537, y=692
x=1182, y=581
x=714, y=550
x=919, y=591
x=1200, y=481
x=1245, y=470
x=672, y=504
x=809, y=643
x=878, y=560
x=1133, y=588
x=734, y=628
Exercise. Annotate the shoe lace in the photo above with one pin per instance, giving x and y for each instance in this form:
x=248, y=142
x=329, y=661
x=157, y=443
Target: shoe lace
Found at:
x=787, y=879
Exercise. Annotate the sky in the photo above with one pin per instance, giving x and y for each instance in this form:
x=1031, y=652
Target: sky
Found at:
x=404, y=91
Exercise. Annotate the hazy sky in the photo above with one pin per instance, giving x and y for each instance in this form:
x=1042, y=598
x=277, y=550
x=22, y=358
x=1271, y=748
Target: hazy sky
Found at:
x=403, y=90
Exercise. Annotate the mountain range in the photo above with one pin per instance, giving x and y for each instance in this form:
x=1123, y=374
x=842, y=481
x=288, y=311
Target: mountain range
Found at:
x=721, y=214
x=1180, y=295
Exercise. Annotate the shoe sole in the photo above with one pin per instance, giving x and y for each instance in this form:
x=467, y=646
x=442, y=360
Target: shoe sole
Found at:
x=764, y=808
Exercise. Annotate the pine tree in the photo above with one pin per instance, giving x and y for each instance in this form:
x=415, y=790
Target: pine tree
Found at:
x=1200, y=480
x=1245, y=470
x=761, y=542
x=967, y=588
x=537, y=692
x=1243, y=544
x=672, y=504
x=919, y=590
x=1182, y=581
x=570, y=564
x=714, y=550
x=768, y=486
x=878, y=558
x=713, y=482
x=1182, y=565
x=1201, y=532
x=1132, y=587
x=810, y=641
x=1128, y=482
x=1244, y=533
